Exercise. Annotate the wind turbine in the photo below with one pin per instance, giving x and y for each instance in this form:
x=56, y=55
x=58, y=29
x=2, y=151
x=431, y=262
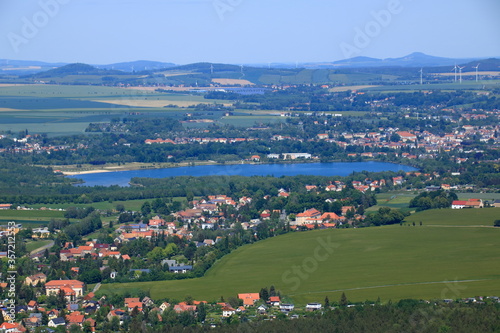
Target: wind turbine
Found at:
x=460, y=72
x=455, y=69
x=476, y=71
x=211, y=68
x=421, y=75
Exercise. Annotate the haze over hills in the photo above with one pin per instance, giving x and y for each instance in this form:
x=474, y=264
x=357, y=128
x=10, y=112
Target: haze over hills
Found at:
x=417, y=59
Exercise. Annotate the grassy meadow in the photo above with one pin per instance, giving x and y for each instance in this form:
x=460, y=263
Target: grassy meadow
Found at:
x=391, y=262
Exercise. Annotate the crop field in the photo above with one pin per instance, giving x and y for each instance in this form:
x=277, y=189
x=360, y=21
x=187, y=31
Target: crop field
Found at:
x=483, y=196
x=30, y=214
x=26, y=223
x=457, y=217
x=232, y=82
x=133, y=205
x=44, y=108
x=354, y=78
x=473, y=73
x=346, y=88
x=434, y=261
x=395, y=200
x=247, y=121
x=467, y=85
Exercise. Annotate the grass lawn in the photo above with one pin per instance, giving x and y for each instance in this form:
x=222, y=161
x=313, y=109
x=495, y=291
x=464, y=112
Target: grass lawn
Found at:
x=33, y=245
x=391, y=262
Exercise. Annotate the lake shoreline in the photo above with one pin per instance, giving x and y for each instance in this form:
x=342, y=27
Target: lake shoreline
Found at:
x=342, y=169
x=154, y=166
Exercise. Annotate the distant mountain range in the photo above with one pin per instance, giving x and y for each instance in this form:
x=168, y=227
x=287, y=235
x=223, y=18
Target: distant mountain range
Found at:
x=414, y=60
x=26, y=67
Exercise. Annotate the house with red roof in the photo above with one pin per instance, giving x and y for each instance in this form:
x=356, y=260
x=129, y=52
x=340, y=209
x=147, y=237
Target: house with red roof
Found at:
x=228, y=311
x=75, y=318
x=471, y=203
x=183, y=306
x=12, y=328
x=71, y=288
x=132, y=305
x=406, y=136
x=274, y=300
x=307, y=216
x=249, y=299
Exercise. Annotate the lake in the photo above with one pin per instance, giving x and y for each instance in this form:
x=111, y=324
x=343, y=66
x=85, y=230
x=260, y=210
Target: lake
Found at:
x=122, y=178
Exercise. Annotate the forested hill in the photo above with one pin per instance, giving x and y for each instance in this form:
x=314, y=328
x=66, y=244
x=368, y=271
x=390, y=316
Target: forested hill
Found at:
x=76, y=69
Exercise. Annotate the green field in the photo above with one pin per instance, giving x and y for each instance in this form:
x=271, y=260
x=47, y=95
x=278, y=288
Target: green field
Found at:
x=468, y=85
x=248, y=121
x=483, y=196
x=33, y=245
x=395, y=200
x=457, y=217
x=68, y=109
x=134, y=205
x=30, y=214
x=392, y=262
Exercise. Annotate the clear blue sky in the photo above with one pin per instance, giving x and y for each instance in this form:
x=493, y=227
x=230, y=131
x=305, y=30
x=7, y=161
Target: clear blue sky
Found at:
x=245, y=31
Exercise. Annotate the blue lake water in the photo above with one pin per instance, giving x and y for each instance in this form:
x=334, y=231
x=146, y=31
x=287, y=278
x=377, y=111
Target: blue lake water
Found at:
x=122, y=178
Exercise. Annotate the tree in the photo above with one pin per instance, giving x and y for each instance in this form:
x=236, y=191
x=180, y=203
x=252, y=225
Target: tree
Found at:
x=395, y=137
x=190, y=250
x=272, y=291
x=156, y=255
x=146, y=208
x=120, y=208
x=496, y=223
x=327, y=302
x=264, y=294
x=202, y=312
x=343, y=300
x=91, y=276
x=61, y=299
x=115, y=323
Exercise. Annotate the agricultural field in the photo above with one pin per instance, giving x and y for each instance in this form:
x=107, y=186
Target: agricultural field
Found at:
x=132, y=205
x=443, y=258
x=465, y=85
x=67, y=110
x=482, y=196
x=248, y=121
x=457, y=217
x=347, y=88
x=395, y=200
x=30, y=214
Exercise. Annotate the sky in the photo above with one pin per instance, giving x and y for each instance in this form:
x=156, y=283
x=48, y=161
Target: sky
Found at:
x=245, y=31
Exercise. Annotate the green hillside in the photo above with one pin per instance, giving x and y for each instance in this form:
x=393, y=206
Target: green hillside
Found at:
x=394, y=262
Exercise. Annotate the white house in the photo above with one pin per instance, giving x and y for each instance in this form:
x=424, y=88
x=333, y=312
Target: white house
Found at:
x=228, y=311
x=313, y=306
x=286, y=307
